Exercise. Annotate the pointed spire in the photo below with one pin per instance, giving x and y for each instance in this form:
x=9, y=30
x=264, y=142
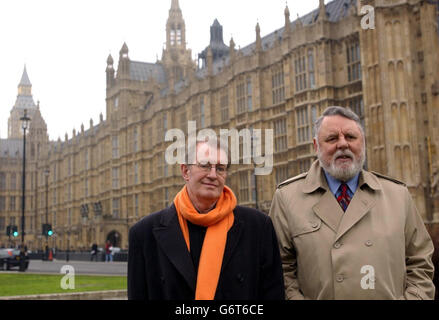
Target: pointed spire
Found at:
x=124, y=51
x=110, y=71
x=123, y=70
x=25, y=79
x=232, y=51
x=322, y=10
x=287, y=11
x=175, y=27
x=216, y=32
x=299, y=21
x=110, y=61
x=175, y=5
x=287, y=20
x=175, y=10
x=258, y=37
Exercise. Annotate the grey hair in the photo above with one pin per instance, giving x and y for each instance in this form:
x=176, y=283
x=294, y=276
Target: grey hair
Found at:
x=337, y=111
x=220, y=144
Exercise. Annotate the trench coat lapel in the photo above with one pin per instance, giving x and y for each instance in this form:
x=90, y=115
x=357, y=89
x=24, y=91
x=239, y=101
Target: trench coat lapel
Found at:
x=362, y=202
x=170, y=238
x=327, y=207
x=329, y=210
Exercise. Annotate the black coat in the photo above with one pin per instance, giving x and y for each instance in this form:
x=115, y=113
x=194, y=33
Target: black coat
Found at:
x=160, y=266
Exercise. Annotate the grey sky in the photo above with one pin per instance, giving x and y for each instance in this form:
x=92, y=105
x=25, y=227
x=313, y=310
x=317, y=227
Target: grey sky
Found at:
x=65, y=45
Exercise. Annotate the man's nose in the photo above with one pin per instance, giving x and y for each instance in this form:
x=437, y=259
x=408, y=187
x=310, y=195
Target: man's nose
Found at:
x=342, y=143
x=212, y=173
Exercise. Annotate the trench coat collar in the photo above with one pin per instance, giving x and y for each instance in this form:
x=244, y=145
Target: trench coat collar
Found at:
x=315, y=179
x=369, y=179
x=170, y=238
x=340, y=222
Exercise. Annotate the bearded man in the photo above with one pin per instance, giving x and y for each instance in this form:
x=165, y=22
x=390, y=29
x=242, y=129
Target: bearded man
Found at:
x=346, y=233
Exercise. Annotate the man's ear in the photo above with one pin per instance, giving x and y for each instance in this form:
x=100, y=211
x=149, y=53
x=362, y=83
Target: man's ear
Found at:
x=315, y=144
x=184, y=171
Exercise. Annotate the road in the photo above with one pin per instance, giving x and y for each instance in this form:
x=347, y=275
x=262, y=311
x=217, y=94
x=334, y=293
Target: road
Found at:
x=81, y=267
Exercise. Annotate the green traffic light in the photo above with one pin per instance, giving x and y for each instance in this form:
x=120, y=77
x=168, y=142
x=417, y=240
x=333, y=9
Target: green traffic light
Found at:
x=49, y=233
x=15, y=234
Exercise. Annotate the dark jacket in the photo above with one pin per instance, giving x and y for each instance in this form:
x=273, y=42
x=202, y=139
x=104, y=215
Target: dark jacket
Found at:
x=160, y=266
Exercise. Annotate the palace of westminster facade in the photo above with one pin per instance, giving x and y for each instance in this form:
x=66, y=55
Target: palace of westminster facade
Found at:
x=97, y=183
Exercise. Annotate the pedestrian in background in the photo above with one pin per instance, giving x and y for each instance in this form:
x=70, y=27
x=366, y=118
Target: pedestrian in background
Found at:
x=94, y=252
x=108, y=255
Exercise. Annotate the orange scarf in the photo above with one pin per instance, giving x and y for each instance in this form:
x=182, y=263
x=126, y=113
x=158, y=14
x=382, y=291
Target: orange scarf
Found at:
x=218, y=222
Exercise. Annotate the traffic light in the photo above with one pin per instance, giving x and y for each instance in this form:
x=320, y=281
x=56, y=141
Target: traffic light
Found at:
x=14, y=231
x=47, y=229
x=8, y=231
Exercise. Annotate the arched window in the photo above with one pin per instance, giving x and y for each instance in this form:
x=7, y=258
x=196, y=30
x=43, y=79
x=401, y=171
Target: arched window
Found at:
x=179, y=35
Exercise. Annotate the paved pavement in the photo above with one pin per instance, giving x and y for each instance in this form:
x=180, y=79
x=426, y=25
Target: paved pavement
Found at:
x=81, y=267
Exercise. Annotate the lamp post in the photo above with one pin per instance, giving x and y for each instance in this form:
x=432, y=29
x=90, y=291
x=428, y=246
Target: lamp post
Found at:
x=24, y=124
x=256, y=188
x=46, y=248
x=253, y=139
x=68, y=244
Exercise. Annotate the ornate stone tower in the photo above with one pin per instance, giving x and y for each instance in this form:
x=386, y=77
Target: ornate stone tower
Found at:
x=176, y=58
x=38, y=137
x=24, y=101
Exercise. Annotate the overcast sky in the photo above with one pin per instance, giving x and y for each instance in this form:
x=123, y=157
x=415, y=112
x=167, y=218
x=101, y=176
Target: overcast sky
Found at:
x=65, y=45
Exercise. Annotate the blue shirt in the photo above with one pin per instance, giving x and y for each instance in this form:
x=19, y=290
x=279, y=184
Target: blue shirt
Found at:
x=334, y=184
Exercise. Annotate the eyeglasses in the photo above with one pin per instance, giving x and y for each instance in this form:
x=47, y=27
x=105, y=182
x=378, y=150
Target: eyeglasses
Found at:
x=207, y=167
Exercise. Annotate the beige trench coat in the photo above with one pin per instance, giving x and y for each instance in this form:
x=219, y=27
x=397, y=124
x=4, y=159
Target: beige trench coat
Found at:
x=378, y=249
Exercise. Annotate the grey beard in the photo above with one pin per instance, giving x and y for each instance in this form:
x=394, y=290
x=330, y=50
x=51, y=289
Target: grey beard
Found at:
x=343, y=174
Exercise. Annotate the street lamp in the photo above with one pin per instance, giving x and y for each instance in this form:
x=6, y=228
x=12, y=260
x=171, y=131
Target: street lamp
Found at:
x=46, y=175
x=254, y=168
x=46, y=248
x=24, y=124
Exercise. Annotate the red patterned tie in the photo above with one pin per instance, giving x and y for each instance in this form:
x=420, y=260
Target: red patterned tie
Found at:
x=344, y=199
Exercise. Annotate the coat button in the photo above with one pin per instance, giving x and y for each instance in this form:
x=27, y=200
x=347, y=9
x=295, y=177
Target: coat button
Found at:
x=339, y=278
x=337, y=245
x=240, y=277
x=314, y=225
x=368, y=243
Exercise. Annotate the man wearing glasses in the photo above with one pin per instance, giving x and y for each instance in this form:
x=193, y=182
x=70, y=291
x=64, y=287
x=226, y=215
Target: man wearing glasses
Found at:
x=204, y=246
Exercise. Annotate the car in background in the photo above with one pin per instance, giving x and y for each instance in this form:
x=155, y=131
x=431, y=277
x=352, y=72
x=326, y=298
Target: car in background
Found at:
x=11, y=258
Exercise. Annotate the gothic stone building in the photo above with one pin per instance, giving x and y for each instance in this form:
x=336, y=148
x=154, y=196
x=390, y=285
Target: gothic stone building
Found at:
x=11, y=159
x=103, y=179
